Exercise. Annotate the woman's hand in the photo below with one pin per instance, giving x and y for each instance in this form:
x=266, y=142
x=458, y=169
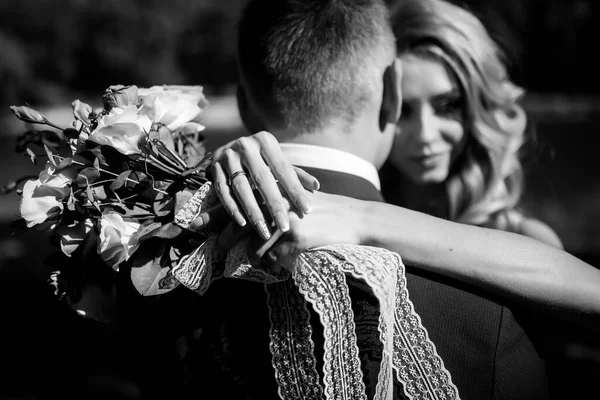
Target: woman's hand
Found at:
x=333, y=220
x=257, y=162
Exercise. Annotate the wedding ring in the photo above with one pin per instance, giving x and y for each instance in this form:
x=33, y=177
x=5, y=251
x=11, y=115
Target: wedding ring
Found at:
x=235, y=175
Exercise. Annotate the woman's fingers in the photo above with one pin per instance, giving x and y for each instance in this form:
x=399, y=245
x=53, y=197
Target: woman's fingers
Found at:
x=211, y=220
x=261, y=158
x=240, y=186
x=308, y=181
x=263, y=180
x=224, y=192
x=283, y=170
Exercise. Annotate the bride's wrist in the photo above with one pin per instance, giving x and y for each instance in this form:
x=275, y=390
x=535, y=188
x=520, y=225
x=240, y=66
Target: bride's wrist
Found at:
x=363, y=222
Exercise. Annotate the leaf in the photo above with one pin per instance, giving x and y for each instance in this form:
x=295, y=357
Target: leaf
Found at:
x=163, y=205
x=135, y=178
x=65, y=162
x=137, y=209
x=166, y=231
x=71, y=133
x=151, y=265
x=31, y=155
x=50, y=155
x=83, y=158
x=86, y=176
x=96, y=163
x=144, y=229
x=91, y=198
x=64, y=150
x=99, y=192
x=120, y=180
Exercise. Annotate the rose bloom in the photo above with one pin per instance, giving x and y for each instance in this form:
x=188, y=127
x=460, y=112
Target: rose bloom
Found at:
x=52, y=177
x=120, y=96
x=114, y=245
x=35, y=207
x=174, y=106
x=81, y=111
x=42, y=198
x=122, y=129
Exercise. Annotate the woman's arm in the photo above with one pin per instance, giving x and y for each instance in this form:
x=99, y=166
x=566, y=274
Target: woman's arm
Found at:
x=511, y=265
x=538, y=230
x=514, y=266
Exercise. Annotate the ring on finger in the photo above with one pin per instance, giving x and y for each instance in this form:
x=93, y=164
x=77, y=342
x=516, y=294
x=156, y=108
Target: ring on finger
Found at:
x=235, y=175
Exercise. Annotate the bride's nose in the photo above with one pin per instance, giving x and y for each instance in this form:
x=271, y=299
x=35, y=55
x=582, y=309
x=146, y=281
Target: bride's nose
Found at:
x=425, y=126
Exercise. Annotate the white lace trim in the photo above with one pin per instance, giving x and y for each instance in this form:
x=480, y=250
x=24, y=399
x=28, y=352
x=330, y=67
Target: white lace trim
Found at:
x=319, y=278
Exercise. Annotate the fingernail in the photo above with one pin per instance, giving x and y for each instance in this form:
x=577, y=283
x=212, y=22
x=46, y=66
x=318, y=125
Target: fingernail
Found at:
x=282, y=221
x=196, y=224
x=316, y=184
x=262, y=229
x=303, y=204
x=239, y=218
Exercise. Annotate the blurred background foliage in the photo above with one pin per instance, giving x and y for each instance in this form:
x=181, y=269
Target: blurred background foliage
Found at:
x=53, y=51
x=50, y=47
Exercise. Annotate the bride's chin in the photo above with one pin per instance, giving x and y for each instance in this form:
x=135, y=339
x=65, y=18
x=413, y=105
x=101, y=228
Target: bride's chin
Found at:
x=430, y=177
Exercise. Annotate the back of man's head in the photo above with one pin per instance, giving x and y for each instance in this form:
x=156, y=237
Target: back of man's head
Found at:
x=305, y=64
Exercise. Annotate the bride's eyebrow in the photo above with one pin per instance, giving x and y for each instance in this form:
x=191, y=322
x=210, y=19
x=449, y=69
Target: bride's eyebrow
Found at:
x=452, y=94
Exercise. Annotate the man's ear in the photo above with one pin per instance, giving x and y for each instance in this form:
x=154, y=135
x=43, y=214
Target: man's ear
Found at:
x=392, y=97
x=250, y=118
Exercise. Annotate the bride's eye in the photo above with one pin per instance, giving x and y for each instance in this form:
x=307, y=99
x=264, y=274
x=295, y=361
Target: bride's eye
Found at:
x=449, y=106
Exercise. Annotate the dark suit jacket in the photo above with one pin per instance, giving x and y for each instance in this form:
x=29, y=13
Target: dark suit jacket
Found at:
x=489, y=355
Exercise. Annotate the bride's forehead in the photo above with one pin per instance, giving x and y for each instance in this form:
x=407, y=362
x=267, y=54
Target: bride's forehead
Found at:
x=424, y=76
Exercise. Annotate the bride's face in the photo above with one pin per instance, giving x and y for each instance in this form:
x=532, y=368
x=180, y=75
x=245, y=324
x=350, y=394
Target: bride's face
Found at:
x=430, y=129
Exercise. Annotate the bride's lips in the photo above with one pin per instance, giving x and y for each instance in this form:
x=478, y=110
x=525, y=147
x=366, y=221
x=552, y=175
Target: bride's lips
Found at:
x=428, y=160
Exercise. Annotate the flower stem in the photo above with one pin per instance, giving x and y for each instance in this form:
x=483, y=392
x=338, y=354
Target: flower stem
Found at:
x=109, y=173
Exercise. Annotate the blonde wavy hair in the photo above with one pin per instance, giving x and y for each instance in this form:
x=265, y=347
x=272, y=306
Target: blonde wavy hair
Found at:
x=486, y=180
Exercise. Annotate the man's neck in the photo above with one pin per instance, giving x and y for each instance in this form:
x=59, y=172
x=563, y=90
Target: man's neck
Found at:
x=337, y=142
x=354, y=142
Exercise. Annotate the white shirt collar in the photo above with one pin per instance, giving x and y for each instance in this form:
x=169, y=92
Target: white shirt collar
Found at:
x=306, y=155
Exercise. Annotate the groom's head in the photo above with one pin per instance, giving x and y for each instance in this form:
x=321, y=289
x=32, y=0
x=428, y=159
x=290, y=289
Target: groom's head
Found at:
x=312, y=66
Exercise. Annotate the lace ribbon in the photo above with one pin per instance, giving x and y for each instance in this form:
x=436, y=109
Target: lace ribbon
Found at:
x=319, y=277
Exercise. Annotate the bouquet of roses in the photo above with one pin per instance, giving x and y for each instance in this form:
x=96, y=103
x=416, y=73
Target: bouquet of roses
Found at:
x=113, y=181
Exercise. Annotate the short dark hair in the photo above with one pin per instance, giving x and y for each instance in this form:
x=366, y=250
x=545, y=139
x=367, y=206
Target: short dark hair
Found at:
x=305, y=62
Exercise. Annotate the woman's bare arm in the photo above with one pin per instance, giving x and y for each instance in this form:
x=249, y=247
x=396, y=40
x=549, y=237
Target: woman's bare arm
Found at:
x=514, y=266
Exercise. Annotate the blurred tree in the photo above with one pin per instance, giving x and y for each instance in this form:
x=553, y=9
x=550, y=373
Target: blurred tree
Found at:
x=84, y=45
x=81, y=46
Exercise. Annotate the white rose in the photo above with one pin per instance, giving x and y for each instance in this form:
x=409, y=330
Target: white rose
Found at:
x=175, y=106
x=50, y=178
x=122, y=128
x=39, y=203
x=114, y=245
